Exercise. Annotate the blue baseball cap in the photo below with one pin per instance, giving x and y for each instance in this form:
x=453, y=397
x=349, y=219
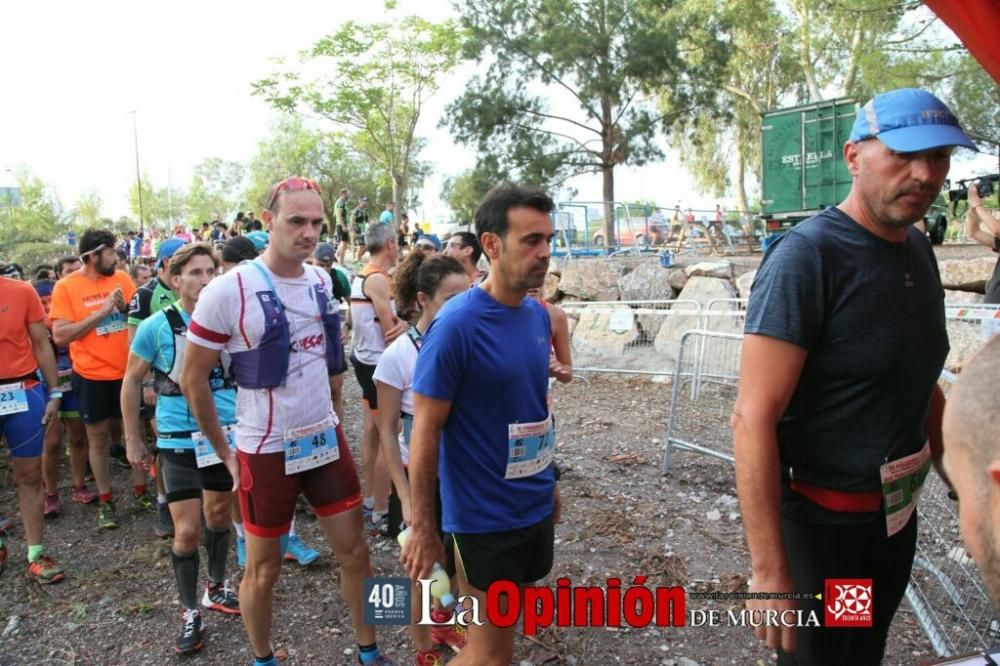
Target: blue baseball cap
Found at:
x=260, y=239
x=909, y=120
x=167, y=249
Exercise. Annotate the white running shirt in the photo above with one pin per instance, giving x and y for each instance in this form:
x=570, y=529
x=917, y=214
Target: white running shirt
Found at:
x=228, y=317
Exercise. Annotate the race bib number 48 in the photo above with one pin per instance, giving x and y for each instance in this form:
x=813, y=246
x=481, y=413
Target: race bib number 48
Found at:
x=310, y=447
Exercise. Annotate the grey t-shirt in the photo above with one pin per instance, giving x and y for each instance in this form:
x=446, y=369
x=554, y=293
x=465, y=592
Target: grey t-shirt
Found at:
x=870, y=313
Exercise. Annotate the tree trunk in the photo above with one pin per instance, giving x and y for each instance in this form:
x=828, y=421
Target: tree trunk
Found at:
x=608, y=178
x=741, y=189
x=805, y=49
x=398, y=190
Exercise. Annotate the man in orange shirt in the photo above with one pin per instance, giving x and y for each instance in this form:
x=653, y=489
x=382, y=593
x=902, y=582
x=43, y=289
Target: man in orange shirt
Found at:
x=25, y=408
x=88, y=313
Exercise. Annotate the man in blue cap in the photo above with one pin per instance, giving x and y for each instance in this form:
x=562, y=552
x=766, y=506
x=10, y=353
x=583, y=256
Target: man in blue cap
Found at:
x=837, y=421
x=149, y=299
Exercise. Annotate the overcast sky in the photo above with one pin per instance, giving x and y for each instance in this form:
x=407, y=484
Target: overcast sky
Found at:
x=73, y=73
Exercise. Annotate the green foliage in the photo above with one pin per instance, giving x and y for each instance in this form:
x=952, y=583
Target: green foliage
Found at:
x=567, y=87
x=27, y=230
x=371, y=81
x=162, y=207
x=463, y=193
x=975, y=98
x=216, y=191
x=328, y=158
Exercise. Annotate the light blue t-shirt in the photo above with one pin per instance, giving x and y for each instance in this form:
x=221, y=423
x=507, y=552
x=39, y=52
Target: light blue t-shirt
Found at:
x=386, y=217
x=492, y=362
x=154, y=342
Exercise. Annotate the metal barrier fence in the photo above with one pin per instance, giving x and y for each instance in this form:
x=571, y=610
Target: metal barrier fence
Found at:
x=705, y=380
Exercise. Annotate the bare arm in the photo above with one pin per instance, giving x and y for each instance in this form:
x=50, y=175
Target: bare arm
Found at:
x=988, y=224
x=423, y=548
x=135, y=447
x=935, y=438
x=562, y=369
x=976, y=232
x=376, y=288
x=198, y=365
x=769, y=372
x=46, y=360
x=389, y=398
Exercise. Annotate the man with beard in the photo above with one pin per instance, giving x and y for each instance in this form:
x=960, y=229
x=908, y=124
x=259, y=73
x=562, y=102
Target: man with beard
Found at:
x=972, y=460
x=837, y=420
x=88, y=314
x=498, y=489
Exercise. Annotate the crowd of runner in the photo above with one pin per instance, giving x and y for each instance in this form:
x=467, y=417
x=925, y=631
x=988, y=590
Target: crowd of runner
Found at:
x=211, y=364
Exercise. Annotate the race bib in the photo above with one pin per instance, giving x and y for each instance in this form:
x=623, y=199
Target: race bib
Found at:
x=530, y=448
x=65, y=385
x=113, y=323
x=204, y=454
x=310, y=447
x=902, y=483
x=13, y=399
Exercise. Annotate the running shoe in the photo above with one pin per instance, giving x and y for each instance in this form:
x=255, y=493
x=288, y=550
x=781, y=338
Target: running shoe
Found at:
x=144, y=501
x=163, y=524
x=44, y=570
x=53, y=507
x=118, y=455
x=298, y=551
x=3, y=553
x=107, y=517
x=454, y=636
x=241, y=551
x=429, y=658
x=190, y=638
x=221, y=598
x=379, y=660
x=379, y=528
x=84, y=495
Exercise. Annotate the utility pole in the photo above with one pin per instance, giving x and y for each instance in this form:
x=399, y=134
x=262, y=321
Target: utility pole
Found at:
x=138, y=178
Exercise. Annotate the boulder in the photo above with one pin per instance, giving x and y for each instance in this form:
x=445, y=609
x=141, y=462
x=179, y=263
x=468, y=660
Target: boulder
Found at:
x=678, y=278
x=953, y=297
x=714, y=269
x=648, y=282
x=744, y=282
x=592, y=279
x=604, y=332
x=702, y=290
x=550, y=290
x=966, y=274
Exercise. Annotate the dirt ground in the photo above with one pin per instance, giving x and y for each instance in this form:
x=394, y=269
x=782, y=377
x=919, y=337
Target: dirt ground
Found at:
x=621, y=517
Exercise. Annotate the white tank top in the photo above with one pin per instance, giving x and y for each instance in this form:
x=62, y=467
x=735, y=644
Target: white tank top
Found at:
x=367, y=340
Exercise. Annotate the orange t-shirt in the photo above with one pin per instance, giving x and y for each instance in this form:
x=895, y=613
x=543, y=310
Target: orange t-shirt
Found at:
x=102, y=353
x=19, y=307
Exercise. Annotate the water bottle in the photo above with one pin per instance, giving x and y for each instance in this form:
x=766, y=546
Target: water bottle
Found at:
x=441, y=585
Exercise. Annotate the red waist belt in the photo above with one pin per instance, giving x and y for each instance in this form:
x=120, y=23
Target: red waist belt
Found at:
x=864, y=501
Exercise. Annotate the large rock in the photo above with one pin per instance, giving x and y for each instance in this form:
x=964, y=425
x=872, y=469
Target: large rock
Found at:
x=953, y=297
x=604, y=332
x=966, y=274
x=744, y=282
x=648, y=282
x=591, y=279
x=702, y=290
x=715, y=269
x=678, y=278
x=550, y=290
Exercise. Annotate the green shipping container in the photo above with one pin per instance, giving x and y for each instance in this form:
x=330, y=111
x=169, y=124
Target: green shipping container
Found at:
x=802, y=160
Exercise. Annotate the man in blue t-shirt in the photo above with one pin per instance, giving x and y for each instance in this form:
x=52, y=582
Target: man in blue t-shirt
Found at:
x=195, y=480
x=495, y=456
x=837, y=421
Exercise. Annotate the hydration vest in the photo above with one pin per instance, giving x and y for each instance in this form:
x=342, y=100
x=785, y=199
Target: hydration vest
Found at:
x=168, y=383
x=266, y=366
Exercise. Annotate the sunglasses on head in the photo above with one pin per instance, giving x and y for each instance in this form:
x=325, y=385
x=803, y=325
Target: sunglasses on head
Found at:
x=291, y=185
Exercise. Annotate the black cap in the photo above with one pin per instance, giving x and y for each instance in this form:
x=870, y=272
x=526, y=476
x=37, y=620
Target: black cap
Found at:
x=237, y=249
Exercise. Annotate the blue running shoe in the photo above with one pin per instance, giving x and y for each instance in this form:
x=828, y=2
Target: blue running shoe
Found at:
x=298, y=551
